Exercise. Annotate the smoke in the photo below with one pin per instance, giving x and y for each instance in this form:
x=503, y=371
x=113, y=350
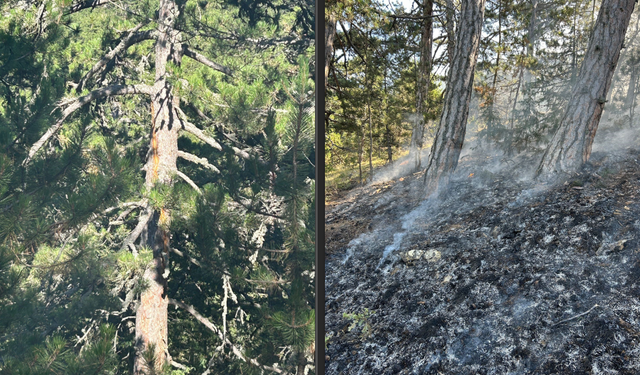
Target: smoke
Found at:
x=483, y=168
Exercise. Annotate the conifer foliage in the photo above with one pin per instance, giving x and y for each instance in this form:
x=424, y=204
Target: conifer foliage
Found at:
x=156, y=187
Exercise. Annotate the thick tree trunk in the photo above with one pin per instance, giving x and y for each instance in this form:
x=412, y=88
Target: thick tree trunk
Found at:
x=451, y=131
x=571, y=144
x=422, y=86
x=329, y=36
x=151, y=316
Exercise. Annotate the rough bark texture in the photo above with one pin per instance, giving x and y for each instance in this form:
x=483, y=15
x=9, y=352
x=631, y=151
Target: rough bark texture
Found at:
x=151, y=316
x=451, y=130
x=422, y=86
x=571, y=144
x=329, y=36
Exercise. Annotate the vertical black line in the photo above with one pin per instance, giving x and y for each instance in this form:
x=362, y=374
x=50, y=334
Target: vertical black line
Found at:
x=320, y=240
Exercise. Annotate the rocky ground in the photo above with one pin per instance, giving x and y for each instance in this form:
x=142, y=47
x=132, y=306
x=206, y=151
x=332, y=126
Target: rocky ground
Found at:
x=500, y=275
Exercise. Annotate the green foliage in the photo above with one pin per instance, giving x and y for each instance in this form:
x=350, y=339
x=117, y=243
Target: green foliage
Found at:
x=360, y=320
x=68, y=286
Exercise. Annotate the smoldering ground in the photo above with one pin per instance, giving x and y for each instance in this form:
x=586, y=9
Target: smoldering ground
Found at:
x=502, y=274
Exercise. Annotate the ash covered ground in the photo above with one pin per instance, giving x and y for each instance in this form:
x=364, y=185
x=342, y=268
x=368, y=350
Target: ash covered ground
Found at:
x=500, y=275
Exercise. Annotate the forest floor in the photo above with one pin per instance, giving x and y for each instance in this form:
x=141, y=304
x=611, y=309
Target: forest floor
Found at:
x=501, y=275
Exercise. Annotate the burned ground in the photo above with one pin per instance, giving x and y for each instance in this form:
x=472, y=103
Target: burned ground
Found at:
x=500, y=275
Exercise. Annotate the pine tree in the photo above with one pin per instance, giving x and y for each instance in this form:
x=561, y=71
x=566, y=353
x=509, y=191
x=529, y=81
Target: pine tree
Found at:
x=105, y=90
x=571, y=144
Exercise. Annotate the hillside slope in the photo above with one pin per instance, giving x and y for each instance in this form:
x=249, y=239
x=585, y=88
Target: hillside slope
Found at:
x=500, y=275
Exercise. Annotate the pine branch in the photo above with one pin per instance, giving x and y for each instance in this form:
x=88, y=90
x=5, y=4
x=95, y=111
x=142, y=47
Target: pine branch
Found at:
x=255, y=210
x=86, y=4
x=189, y=181
x=205, y=61
x=236, y=351
x=194, y=159
x=192, y=260
x=132, y=38
x=77, y=103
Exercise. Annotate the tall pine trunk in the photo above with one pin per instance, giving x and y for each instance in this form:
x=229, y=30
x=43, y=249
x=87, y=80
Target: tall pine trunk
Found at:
x=151, y=315
x=422, y=86
x=453, y=122
x=571, y=144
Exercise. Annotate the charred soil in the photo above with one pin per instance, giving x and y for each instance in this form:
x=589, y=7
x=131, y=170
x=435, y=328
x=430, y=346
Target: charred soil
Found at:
x=499, y=275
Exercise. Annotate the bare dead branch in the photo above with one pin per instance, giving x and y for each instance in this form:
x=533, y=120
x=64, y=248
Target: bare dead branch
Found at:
x=77, y=103
x=194, y=159
x=197, y=132
x=237, y=151
x=205, y=61
x=85, y=4
x=189, y=181
x=135, y=233
x=132, y=38
x=178, y=365
x=192, y=260
x=207, y=323
x=141, y=203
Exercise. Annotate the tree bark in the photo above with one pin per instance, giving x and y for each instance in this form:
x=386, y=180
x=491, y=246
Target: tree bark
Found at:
x=424, y=80
x=451, y=131
x=531, y=39
x=450, y=27
x=329, y=36
x=151, y=315
x=571, y=144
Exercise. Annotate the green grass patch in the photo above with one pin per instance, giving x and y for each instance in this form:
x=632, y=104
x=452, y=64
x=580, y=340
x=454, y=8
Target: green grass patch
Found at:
x=346, y=177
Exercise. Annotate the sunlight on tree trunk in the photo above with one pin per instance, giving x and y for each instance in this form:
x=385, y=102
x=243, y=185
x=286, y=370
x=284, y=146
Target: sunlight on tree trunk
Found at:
x=151, y=316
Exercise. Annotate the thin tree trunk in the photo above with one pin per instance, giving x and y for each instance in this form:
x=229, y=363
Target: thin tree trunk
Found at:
x=329, y=36
x=450, y=27
x=574, y=45
x=451, y=131
x=151, y=315
x=389, y=141
x=513, y=113
x=423, y=83
x=531, y=38
x=631, y=93
x=495, y=75
x=360, y=151
x=531, y=35
x=571, y=144
x=370, y=141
